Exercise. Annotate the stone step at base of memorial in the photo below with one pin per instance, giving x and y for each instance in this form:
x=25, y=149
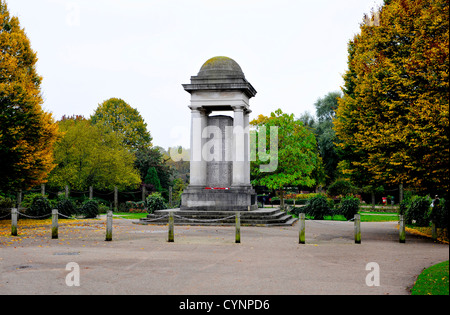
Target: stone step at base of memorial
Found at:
x=260, y=217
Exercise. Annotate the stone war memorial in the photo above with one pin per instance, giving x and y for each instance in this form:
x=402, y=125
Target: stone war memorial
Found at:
x=220, y=151
x=220, y=164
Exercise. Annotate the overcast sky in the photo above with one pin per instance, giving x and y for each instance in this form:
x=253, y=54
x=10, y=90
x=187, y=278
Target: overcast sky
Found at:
x=292, y=51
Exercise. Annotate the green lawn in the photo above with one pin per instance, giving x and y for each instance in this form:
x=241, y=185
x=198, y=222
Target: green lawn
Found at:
x=433, y=281
x=366, y=217
x=378, y=216
x=131, y=216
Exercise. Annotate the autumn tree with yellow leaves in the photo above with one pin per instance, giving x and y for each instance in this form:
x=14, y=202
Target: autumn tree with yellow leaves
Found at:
x=27, y=132
x=91, y=155
x=393, y=120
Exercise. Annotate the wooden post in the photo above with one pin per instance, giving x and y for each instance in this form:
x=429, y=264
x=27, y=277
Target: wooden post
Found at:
x=14, y=214
x=19, y=199
x=91, y=192
x=302, y=228
x=238, y=227
x=144, y=193
x=171, y=233
x=433, y=231
x=43, y=190
x=67, y=192
x=54, y=224
x=109, y=220
x=116, y=198
x=402, y=233
x=357, y=229
x=372, y=193
x=170, y=197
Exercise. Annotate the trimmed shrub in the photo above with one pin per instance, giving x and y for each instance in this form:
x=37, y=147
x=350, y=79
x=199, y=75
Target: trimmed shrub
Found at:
x=28, y=199
x=419, y=211
x=135, y=207
x=89, y=209
x=102, y=208
x=66, y=207
x=306, y=196
x=341, y=187
x=6, y=204
x=444, y=222
x=155, y=202
x=404, y=205
x=318, y=207
x=130, y=205
x=138, y=210
x=40, y=208
x=348, y=207
x=439, y=214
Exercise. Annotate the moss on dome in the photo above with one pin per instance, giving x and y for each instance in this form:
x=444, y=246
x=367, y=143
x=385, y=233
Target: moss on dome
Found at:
x=220, y=65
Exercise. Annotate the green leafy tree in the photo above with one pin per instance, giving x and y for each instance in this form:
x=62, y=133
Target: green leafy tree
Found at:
x=152, y=179
x=326, y=136
x=90, y=155
x=27, y=132
x=177, y=158
x=116, y=114
x=178, y=187
x=296, y=154
x=326, y=106
x=393, y=120
x=154, y=157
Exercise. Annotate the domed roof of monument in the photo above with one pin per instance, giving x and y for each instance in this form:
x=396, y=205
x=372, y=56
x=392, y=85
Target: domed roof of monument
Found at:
x=221, y=66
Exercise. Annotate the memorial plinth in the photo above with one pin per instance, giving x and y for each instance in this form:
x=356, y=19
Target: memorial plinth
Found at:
x=220, y=145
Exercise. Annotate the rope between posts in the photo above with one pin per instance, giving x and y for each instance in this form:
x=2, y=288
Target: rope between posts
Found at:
x=71, y=218
x=33, y=217
x=206, y=220
x=5, y=216
x=148, y=220
x=41, y=216
x=327, y=223
x=65, y=216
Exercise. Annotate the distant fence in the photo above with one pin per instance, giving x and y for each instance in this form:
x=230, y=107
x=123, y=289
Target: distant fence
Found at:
x=14, y=215
x=112, y=196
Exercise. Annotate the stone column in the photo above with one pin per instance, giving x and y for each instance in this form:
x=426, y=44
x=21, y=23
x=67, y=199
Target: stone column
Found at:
x=239, y=147
x=197, y=163
x=247, y=146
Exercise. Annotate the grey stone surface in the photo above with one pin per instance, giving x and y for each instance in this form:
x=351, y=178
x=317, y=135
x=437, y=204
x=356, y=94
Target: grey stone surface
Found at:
x=206, y=261
x=219, y=166
x=259, y=217
x=220, y=73
x=232, y=199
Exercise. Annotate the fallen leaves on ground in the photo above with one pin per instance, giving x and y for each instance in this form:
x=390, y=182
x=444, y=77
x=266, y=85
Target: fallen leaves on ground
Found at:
x=39, y=231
